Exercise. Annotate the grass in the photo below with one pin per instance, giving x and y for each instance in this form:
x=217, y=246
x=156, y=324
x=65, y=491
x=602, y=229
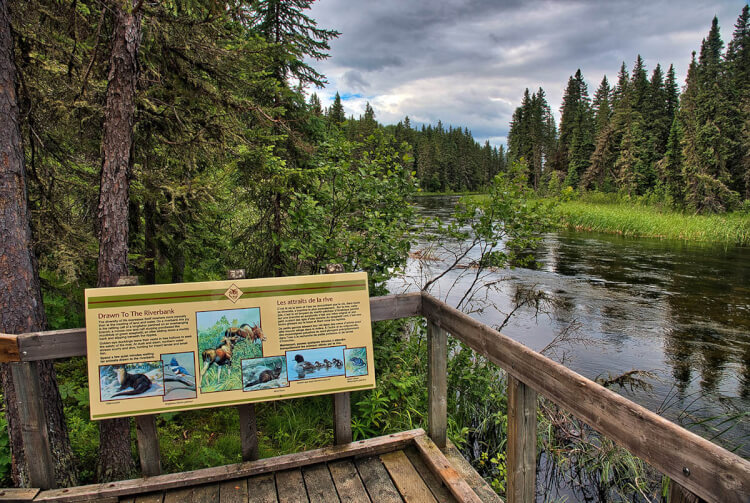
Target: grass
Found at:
x=638, y=220
x=614, y=214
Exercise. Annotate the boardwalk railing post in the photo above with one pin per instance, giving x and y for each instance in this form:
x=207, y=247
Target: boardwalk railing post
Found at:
x=146, y=435
x=437, y=383
x=521, y=447
x=678, y=494
x=246, y=411
x=31, y=414
x=342, y=406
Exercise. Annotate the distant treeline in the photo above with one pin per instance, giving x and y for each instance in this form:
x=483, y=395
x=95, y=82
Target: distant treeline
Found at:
x=641, y=136
x=444, y=159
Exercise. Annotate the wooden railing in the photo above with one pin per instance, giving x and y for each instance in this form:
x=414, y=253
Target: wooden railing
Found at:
x=692, y=462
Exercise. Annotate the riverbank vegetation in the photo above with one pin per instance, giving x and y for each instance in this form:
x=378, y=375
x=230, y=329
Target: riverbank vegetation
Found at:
x=634, y=218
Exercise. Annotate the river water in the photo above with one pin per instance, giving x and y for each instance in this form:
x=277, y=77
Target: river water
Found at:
x=678, y=310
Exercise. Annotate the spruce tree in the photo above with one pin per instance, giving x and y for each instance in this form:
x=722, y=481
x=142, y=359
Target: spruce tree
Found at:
x=601, y=106
x=336, y=116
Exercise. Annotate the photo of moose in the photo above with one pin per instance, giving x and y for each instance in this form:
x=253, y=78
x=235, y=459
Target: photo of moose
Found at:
x=225, y=338
x=123, y=381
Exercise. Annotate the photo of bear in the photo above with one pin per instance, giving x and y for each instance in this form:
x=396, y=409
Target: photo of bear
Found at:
x=225, y=338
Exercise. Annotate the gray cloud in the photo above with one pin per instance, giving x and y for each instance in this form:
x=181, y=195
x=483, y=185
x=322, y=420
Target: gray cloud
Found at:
x=467, y=62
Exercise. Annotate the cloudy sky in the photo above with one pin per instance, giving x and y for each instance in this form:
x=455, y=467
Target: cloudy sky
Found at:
x=467, y=62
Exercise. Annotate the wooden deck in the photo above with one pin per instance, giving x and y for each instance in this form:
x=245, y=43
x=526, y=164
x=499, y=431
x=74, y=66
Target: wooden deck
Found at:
x=404, y=467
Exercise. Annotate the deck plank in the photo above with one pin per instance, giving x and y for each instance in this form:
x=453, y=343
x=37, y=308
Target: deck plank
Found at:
x=179, y=495
x=168, y=481
x=407, y=480
x=149, y=498
x=470, y=475
x=233, y=491
x=208, y=493
x=377, y=481
x=320, y=488
x=438, y=488
x=262, y=489
x=290, y=486
x=348, y=484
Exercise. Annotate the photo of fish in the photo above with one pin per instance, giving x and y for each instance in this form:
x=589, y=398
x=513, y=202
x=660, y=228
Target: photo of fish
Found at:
x=315, y=363
x=179, y=376
x=225, y=338
x=355, y=362
x=264, y=373
x=131, y=380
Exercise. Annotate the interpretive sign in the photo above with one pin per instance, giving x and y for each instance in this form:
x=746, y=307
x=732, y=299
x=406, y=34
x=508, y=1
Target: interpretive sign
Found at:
x=163, y=348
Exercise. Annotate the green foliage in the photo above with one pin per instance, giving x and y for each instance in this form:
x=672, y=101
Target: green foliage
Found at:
x=351, y=209
x=5, y=455
x=637, y=217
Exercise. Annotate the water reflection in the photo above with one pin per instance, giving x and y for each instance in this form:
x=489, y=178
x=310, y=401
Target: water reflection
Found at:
x=680, y=310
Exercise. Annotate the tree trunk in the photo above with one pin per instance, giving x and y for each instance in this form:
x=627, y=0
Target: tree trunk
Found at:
x=115, y=457
x=22, y=309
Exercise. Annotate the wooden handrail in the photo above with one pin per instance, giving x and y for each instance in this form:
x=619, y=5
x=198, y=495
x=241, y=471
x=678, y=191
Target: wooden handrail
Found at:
x=706, y=469
x=709, y=471
x=54, y=344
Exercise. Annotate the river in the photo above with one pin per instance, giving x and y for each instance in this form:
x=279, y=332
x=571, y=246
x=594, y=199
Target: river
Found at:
x=678, y=310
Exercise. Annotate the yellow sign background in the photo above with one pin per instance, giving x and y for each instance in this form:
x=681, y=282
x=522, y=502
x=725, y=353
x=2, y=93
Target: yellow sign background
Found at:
x=235, y=341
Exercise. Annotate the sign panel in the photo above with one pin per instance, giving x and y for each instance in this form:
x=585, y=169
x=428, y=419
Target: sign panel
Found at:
x=163, y=348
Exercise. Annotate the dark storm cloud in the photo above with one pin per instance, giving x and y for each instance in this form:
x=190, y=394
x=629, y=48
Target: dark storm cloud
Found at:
x=468, y=62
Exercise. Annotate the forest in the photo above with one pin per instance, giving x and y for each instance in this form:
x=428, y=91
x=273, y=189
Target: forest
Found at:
x=642, y=136
x=175, y=140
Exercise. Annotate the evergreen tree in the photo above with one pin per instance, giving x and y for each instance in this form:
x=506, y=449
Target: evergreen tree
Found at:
x=296, y=36
x=737, y=70
x=601, y=106
x=315, y=106
x=336, y=115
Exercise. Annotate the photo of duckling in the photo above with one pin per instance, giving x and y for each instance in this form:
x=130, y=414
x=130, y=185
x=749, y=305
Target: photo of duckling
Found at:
x=225, y=338
x=315, y=363
x=356, y=362
x=131, y=380
x=264, y=373
x=179, y=376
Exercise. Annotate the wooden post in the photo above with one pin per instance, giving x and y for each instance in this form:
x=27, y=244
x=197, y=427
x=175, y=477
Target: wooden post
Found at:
x=437, y=383
x=342, y=418
x=148, y=445
x=521, y=450
x=146, y=435
x=342, y=405
x=678, y=494
x=246, y=411
x=31, y=415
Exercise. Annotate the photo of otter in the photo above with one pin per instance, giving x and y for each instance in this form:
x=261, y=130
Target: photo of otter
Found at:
x=225, y=338
x=355, y=362
x=264, y=373
x=131, y=380
x=315, y=363
x=179, y=376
